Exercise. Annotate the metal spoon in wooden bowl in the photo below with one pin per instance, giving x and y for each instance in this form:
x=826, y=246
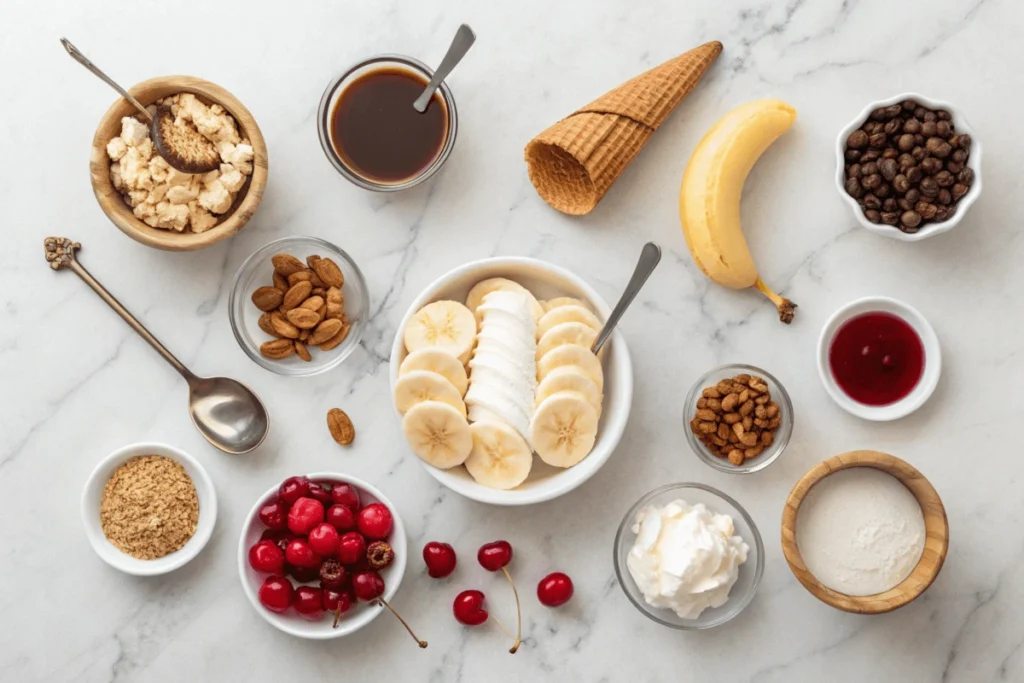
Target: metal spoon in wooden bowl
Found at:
x=463, y=40
x=226, y=412
x=183, y=147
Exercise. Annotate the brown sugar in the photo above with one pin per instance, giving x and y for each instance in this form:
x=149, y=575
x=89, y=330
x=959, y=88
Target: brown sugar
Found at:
x=149, y=507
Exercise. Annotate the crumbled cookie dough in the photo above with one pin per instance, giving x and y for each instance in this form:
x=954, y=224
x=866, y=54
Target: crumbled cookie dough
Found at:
x=163, y=197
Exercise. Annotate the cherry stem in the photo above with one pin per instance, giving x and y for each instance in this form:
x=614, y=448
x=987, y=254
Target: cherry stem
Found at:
x=337, y=615
x=519, y=614
x=502, y=627
x=421, y=643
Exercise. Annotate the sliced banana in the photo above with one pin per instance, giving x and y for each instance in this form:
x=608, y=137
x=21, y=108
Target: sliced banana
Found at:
x=564, y=428
x=570, y=354
x=570, y=378
x=445, y=325
x=433, y=359
x=551, y=304
x=566, y=333
x=417, y=386
x=500, y=284
x=438, y=433
x=567, y=314
x=501, y=458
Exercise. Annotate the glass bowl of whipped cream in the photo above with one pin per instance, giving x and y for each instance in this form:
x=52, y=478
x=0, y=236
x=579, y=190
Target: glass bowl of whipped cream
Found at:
x=688, y=556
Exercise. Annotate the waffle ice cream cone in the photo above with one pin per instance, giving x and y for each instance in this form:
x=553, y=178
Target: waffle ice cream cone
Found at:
x=574, y=162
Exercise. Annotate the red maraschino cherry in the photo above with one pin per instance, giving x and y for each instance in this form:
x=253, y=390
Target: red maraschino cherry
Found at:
x=469, y=608
x=305, y=514
x=439, y=558
x=277, y=594
x=555, y=589
x=293, y=488
x=375, y=521
x=309, y=602
x=495, y=557
x=266, y=557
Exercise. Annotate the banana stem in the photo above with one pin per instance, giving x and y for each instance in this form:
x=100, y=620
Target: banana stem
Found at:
x=519, y=613
x=785, y=307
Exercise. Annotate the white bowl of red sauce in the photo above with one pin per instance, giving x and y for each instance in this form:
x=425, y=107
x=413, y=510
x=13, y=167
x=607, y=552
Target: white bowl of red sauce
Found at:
x=879, y=358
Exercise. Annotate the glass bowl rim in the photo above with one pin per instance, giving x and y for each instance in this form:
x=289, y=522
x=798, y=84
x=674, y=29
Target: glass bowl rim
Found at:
x=647, y=610
x=723, y=465
x=323, y=112
x=357, y=325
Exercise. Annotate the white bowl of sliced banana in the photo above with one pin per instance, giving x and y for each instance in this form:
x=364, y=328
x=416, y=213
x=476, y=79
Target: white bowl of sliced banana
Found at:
x=495, y=385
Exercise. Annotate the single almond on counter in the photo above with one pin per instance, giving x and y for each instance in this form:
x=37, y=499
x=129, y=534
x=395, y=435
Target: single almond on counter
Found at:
x=277, y=349
x=295, y=295
x=286, y=264
x=324, y=331
x=267, y=298
x=302, y=318
x=340, y=426
x=329, y=272
x=302, y=351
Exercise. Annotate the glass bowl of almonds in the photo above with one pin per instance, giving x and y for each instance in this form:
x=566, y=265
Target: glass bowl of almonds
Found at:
x=298, y=306
x=738, y=418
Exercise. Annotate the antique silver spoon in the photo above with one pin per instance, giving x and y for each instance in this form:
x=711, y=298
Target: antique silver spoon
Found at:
x=463, y=40
x=649, y=258
x=226, y=412
x=185, y=149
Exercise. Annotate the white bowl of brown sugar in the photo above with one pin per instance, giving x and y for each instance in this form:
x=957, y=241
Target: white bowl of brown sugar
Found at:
x=148, y=508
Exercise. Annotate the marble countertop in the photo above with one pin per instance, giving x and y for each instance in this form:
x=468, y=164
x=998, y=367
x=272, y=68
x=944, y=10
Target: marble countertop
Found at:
x=78, y=383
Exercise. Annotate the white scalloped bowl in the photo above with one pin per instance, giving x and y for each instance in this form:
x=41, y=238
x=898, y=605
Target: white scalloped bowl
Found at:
x=931, y=229
x=546, y=281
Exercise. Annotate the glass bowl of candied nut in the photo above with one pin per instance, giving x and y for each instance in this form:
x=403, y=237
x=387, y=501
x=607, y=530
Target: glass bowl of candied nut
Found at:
x=738, y=418
x=298, y=306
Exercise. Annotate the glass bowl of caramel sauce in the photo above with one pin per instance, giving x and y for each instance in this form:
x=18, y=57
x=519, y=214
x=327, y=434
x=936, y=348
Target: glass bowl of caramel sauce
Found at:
x=370, y=131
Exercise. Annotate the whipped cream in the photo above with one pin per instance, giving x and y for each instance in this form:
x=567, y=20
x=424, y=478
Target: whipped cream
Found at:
x=685, y=558
x=503, y=370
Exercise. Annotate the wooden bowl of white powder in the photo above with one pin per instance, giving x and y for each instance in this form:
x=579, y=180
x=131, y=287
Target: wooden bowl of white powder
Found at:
x=865, y=532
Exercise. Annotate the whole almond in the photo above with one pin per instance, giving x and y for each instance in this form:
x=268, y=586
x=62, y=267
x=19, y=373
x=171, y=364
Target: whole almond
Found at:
x=329, y=272
x=315, y=279
x=302, y=318
x=311, y=259
x=334, y=311
x=335, y=296
x=277, y=349
x=340, y=426
x=300, y=276
x=322, y=311
x=313, y=303
x=264, y=323
x=324, y=331
x=282, y=326
x=318, y=291
x=295, y=295
x=286, y=264
x=281, y=282
x=302, y=351
x=303, y=335
x=267, y=298
x=336, y=339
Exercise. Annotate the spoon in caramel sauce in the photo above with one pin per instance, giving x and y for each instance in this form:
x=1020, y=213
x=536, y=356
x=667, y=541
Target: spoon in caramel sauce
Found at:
x=463, y=40
x=182, y=146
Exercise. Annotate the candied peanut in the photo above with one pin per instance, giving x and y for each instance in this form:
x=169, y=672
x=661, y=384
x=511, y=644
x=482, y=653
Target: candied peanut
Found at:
x=767, y=438
x=717, y=440
x=731, y=418
x=708, y=427
x=706, y=415
x=753, y=452
x=759, y=412
x=714, y=404
x=744, y=396
x=775, y=422
x=762, y=399
x=742, y=379
x=711, y=392
x=748, y=423
x=747, y=408
x=723, y=431
x=749, y=439
x=771, y=410
x=738, y=430
x=702, y=403
x=733, y=438
x=730, y=402
x=695, y=425
x=763, y=424
x=724, y=387
x=758, y=386
x=736, y=456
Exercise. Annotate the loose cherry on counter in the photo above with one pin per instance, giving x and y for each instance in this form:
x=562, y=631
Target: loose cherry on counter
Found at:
x=309, y=602
x=375, y=521
x=369, y=587
x=276, y=594
x=496, y=556
x=469, y=608
x=323, y=539
x=300, y=554
x=341, y=517
x=379, y=555
x=293, y=488
x=321, y=490
x=345, y=494
x=351, y=548
x=305, y=514
x=555, y=589
x=266, y=557
x=439, y=558
x=274, y=515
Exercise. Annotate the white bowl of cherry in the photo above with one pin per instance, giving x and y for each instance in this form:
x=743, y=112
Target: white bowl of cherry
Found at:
x=321, y=555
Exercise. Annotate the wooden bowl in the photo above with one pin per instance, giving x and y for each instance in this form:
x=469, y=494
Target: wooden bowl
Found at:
x=114, y=205
x=935, y=545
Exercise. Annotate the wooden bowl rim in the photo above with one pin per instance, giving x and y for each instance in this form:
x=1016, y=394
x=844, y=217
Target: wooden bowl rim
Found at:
x=936, y=533
x=121, y=214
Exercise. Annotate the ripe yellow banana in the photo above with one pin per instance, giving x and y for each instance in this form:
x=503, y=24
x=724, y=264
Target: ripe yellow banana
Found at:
x=709, y=199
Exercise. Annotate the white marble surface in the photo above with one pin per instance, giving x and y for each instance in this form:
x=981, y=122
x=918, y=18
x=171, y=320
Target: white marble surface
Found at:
x=77, y=383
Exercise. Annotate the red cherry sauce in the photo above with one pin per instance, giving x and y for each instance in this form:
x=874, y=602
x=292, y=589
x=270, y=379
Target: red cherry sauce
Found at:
x=876, y=358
